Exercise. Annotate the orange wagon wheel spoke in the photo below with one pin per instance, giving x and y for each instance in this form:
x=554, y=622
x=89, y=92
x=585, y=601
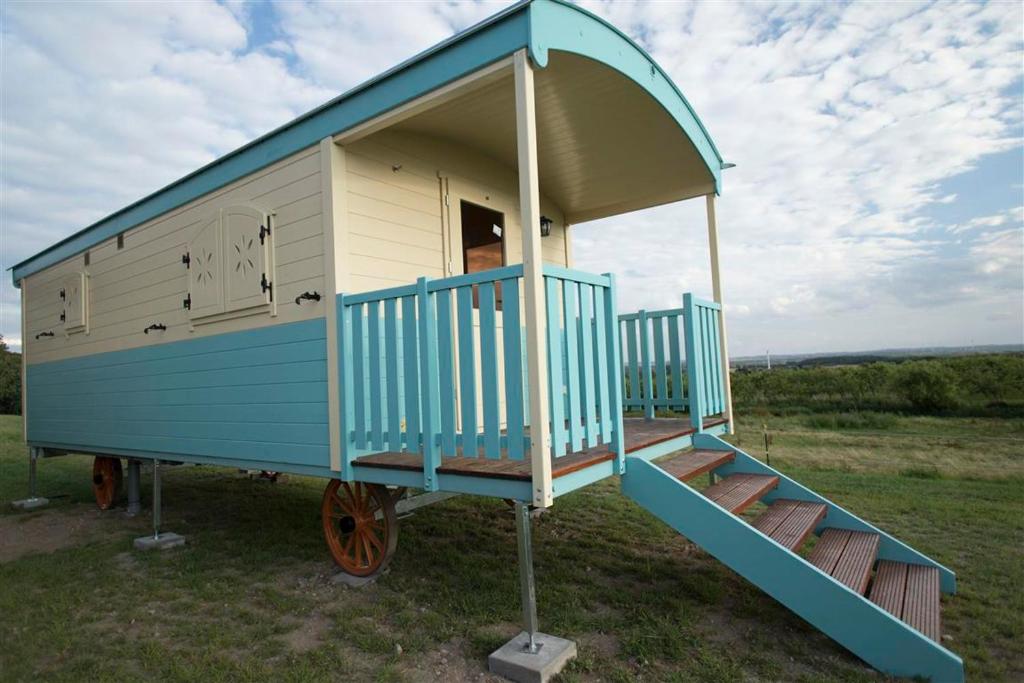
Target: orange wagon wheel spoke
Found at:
x=360, y=526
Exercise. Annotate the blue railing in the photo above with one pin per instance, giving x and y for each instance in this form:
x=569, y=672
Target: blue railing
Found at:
x=438, y=368
x=673, y=360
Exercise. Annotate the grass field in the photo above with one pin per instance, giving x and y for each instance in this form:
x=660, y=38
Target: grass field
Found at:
x=250, y=596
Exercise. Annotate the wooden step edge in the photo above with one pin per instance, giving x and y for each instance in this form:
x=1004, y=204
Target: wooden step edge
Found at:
x=922, y=604
x=854, y=567
x=829, y=548
x=889, y=587
x=800, y=523
x=691, y=464
x=749, y=489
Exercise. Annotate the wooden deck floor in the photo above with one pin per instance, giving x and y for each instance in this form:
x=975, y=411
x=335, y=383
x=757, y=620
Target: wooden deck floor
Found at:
x=640, y=434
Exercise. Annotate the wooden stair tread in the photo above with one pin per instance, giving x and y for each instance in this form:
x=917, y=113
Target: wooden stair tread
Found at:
x=854, y=567
x=847, y=556
x=910, y=592
x=737, y=492
x=690, y=464
x=790, y=522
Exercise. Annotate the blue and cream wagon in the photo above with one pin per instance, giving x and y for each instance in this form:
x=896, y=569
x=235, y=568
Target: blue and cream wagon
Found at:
x=382, y=293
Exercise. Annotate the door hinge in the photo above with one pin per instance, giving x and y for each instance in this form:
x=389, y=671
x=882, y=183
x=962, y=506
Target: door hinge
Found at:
x=267, y=286
x=63, y=316
x=186, y=258
x=63, y=295
x=187, y=302
x=264, y=231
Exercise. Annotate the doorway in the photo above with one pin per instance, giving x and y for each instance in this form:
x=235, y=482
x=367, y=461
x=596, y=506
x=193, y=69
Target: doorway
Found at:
x=483, y=243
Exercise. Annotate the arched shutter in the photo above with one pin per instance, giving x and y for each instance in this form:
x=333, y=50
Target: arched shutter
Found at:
x=73, y=291
x=248, y=281
x=205, y=280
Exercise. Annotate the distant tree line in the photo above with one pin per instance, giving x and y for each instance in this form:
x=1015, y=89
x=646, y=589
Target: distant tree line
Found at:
x=990, y=384
x=10, y=380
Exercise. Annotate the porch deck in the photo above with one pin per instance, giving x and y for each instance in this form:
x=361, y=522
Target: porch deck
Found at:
x=639, y=434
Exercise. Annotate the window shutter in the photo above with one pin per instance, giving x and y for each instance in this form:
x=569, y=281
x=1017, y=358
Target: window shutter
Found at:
x=73, y=288
x=248, y=281
x=205, y=269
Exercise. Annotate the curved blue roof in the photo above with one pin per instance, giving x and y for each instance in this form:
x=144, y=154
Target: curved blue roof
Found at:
x=538, y=25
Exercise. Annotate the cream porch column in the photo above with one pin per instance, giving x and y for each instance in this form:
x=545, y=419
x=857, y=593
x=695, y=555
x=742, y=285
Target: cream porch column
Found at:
x=716, y=292
x=533, y=280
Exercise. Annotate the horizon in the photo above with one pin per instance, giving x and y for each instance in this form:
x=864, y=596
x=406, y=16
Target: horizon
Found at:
x=886, y=154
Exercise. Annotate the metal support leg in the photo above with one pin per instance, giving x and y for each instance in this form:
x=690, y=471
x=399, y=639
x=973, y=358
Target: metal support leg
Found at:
x=530, y=656
x=527, y=587
x=33, y=501
x=158, y=540
x=134, y=488
x=156, y=500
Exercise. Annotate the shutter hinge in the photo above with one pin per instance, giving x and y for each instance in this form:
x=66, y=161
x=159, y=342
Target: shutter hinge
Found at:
x=187, y=302
x=186, y=258
x=267, y=286
x=63, y=295
x=264, y=231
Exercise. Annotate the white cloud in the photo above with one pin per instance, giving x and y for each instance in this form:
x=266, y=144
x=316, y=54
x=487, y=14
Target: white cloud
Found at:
x=844, y=119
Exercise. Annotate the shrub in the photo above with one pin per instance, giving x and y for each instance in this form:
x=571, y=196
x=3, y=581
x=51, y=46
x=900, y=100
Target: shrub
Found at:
x=10, y=381
x=927, y=385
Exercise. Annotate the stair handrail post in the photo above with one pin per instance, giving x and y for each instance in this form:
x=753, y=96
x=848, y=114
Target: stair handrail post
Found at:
x=645, y=362
x=346, y=413
x=694, y=362
x=618, y=444
x=429, y=384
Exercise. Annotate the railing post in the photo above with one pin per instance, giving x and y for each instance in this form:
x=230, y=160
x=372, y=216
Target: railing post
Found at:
x=615, y=367
x=429, y=385
x=694, y=362
x=533, y=280
x=346, y=414
x=645, y=367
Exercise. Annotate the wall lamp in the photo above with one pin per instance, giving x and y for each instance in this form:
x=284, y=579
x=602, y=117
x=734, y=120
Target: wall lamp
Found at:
x=545, y=226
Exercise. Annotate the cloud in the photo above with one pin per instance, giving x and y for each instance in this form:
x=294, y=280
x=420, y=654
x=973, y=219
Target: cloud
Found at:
x=844, y=120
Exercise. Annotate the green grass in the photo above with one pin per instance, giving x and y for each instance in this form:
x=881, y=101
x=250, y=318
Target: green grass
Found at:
x=250, y=596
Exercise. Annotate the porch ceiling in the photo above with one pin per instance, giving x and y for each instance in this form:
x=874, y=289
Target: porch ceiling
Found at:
x=605, y=146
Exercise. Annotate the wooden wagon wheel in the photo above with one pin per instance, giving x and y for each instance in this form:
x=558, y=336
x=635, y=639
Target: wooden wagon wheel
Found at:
x=360, y=526
x=106, y=480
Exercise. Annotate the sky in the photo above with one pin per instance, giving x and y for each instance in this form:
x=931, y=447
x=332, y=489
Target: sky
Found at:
x=877, y=199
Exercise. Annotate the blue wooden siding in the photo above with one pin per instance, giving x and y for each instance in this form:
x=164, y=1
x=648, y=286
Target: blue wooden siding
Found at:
x=258, y=395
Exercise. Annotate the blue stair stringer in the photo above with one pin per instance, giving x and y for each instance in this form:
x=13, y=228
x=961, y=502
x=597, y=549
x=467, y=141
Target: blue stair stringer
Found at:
x=856, y=623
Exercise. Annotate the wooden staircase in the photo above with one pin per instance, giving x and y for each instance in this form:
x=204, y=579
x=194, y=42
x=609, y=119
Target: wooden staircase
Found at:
x=909, y=591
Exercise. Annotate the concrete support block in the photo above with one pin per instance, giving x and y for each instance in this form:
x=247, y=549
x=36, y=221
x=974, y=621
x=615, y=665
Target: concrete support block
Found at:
x=163, y=541
x=514, y=661
x=30, y=503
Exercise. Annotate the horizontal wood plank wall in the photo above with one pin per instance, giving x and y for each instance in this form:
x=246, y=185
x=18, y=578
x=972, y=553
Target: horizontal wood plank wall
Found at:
x=146, y=281
x=257, y=395
x=395, y=216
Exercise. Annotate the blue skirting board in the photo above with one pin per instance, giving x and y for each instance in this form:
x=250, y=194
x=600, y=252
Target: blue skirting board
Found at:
x=251, y=398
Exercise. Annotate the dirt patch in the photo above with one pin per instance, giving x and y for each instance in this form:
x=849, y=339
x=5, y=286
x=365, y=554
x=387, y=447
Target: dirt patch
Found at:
x=50, y=530
x=450, y=662
x=309, y=634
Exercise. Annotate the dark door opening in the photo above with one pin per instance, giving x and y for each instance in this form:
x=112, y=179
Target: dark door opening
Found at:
x=483, y=235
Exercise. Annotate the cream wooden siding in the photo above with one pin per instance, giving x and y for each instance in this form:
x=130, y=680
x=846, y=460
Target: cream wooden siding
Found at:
x=146, y=281
x=395, y=214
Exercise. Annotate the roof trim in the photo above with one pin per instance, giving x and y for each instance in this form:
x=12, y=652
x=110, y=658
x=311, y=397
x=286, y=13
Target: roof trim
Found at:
x=539, y=25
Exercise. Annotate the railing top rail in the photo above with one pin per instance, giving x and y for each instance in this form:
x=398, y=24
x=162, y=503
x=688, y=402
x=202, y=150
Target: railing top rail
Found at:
x=493, y=275
x=704, y=303
x=665, y=313
x=580, y=276
x=379, y=295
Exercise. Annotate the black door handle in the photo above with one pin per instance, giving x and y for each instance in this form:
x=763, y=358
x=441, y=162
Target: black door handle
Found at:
x=155, y=326
x=310, y=296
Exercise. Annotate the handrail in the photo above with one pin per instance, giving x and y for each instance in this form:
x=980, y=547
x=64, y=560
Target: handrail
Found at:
x=658, y=375
x=438, y=368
